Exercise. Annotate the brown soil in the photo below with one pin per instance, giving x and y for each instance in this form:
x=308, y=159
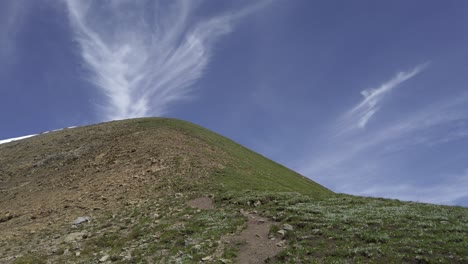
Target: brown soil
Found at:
x=201, y=203
x=256, y=246
x=49, y=180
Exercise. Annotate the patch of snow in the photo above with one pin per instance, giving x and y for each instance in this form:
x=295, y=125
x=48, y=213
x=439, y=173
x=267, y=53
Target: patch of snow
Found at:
x=8, y=140
x=3, y=141
x=58, y=129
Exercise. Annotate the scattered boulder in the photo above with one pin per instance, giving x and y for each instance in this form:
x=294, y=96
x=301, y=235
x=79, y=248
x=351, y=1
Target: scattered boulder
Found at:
x=288, y=227
x=282, y=243
x=81, y=219
x=104, y=258
x=8, y=216
x=282, y=232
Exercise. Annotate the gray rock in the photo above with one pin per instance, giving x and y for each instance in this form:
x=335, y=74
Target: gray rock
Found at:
x=288, y=227
x=282, y=232
x=82, y=219
x=281, y=243
x=76, y=236
x=197, y=247
x=104, y=258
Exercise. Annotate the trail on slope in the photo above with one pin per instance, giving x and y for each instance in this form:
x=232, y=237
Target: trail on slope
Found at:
x=256, y=246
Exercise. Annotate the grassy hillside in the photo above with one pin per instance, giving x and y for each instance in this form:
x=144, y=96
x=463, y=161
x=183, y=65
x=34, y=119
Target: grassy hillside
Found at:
x=136, y=180
x=350, y=229
x=241, y=168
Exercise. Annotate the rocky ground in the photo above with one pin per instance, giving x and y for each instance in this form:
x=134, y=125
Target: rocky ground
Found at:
x=167, y=191
x=175, y=230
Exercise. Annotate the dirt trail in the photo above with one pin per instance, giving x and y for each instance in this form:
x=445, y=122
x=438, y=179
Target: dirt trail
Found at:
x=256, y=246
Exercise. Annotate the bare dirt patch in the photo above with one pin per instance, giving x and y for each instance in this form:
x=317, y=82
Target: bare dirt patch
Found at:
x=205, y=203
x=256, y=245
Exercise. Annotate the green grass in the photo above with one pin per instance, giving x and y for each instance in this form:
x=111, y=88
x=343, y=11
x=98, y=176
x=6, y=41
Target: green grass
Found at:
x=244, y=169
x=349, y=229
x=328, y=227
x=180, y=235
x=30, y=259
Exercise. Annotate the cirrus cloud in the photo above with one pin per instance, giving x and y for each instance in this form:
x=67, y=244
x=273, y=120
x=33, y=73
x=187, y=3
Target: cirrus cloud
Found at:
x=145, y=55
x=361, y=114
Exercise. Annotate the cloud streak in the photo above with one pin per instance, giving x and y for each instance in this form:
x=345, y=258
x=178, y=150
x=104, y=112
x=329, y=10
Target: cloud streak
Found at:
x=438, y=123
x=366, y=165
x=144, y=55
x=382, y=162
x=360, y=115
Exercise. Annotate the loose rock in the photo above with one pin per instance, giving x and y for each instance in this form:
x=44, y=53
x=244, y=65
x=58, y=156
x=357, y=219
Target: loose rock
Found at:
x=282, y=232
x=81, y=219
x=281, y=243
x=72, y=237
x=104, y=258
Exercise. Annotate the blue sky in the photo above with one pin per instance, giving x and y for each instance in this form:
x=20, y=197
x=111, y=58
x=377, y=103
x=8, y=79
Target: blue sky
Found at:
x=364, y=97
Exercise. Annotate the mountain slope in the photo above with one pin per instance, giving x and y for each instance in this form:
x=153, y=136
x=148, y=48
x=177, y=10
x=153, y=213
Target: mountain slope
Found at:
x=167, y=191
x=55, y=177
x=154, y=153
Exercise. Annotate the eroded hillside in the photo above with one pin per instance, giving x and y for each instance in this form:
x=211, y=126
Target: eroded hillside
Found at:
x=158, y=190
x=108, y=171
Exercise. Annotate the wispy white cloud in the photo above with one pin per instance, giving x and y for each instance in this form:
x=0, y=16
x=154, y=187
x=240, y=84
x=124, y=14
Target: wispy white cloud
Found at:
x=362, y=163
x=438, y=123
x=145, y=55
x=361, y=114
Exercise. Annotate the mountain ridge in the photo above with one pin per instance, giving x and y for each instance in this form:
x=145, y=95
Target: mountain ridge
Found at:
x=135, y=180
